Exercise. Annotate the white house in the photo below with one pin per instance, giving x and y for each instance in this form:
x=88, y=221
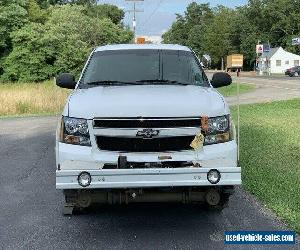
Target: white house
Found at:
x=277, y=61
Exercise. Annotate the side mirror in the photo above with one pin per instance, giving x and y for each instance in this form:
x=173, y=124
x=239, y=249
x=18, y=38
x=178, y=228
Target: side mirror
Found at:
x=66, y=80
x=221, y=79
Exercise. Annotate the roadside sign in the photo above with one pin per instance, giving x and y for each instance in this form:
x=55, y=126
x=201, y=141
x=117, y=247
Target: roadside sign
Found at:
x=259, y=48
x=266, y=48
x=296, y=41
x=140, y=40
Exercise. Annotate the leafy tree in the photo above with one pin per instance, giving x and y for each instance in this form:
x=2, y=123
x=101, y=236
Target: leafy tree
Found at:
x=27, y=61
x=178, y=32
x=189, y=29
x=221, y=30
x=60, y=45
x=217, y=40
x=35, y=12
x=106, y=11
x=81, y=2
x=13, y=15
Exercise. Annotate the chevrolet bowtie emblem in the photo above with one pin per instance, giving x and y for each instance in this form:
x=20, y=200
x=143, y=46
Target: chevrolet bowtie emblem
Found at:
x=147, y=133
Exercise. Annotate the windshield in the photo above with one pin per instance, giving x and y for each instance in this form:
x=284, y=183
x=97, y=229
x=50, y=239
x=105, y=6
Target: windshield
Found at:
x=143, y=67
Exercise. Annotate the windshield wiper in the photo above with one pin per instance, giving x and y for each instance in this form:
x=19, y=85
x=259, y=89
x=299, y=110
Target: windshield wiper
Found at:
x=110, y=82
x=164, y=81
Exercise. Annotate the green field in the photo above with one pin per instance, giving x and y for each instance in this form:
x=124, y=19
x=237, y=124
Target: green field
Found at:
x=231, y=90
x=270, y=156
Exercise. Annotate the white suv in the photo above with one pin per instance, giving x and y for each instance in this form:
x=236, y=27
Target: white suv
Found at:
x=144, y=124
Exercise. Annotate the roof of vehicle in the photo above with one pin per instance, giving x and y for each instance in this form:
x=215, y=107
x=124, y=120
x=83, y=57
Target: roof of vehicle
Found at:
x=142, y=46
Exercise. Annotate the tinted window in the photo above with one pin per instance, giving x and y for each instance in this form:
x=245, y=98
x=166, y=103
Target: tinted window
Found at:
x=137, y=65
x=181, y=66
x=123, y=65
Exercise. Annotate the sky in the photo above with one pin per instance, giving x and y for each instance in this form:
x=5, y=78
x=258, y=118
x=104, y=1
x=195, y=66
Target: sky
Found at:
x=158, y=15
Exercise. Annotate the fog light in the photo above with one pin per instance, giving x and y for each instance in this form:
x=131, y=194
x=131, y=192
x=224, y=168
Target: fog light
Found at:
x=213, y=176
x=84, y=179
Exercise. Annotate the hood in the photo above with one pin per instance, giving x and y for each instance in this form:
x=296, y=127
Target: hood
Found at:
x=146, y=101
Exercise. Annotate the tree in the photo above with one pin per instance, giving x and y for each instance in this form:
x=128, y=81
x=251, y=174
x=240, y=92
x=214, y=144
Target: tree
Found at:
x=62, y=44
x=27, y=61
x=13, y=15
x=111, y=12
x=221, y=31
x=35, y=12
x=189, y=29
x=81, y=2
x=178, y=32
x=218, y=35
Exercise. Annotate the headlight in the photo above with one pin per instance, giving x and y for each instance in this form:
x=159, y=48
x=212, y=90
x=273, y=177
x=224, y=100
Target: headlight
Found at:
x=218, y=124
x=218, y=130
x=75, y=131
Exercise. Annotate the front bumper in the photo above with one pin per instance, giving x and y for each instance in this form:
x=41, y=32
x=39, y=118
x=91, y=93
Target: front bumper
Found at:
x=72, y=160
x=143, y=178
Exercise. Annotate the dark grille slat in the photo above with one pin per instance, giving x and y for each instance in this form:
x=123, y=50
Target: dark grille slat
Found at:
x=147, y=123
x=124, y=144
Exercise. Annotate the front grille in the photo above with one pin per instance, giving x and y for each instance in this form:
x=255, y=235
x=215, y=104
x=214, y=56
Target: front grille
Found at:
x=166, y=164
x=142, y=122
x=162, y=144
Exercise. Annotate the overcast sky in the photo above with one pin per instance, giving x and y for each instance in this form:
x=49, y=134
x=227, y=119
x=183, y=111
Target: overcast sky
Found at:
x=158, y=15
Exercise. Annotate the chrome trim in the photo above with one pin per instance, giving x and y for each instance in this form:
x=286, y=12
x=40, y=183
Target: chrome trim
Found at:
x=151, y=119
x=131, y=132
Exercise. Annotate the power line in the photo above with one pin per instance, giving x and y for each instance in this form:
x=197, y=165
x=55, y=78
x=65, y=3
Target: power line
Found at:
x=153, y=12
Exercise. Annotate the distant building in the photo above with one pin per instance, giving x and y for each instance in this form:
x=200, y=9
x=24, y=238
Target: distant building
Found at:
x=277, y=61
x=152, y=39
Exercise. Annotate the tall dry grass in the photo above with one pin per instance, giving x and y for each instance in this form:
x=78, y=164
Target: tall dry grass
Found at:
x=31, y=98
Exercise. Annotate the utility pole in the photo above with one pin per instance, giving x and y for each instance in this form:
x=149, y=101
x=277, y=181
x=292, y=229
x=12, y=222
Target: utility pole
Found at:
x=134, y=11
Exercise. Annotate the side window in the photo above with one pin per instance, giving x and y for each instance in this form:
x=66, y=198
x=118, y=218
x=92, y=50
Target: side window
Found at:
x=296, y=62
x=287, y=62
x=278, y=63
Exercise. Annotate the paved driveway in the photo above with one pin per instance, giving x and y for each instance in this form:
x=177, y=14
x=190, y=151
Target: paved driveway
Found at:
x=267, y=89
x=31, y=209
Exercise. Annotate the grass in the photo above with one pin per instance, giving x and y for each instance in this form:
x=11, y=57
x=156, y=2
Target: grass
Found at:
x=31, y=98
x=231, y=90
x=270, y=156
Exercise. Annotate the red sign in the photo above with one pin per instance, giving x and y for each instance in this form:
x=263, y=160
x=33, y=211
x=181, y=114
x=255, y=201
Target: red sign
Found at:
x=259, y=49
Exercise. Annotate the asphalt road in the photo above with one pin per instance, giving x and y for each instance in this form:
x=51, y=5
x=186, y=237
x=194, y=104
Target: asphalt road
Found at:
x=31, y=209
x=267, y=89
